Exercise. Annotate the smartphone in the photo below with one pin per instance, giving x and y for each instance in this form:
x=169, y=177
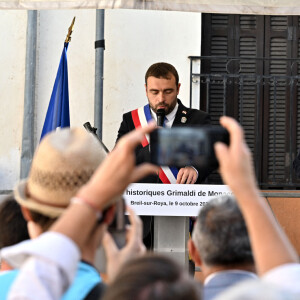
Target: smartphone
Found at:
x=186, y=146
x=118, y=227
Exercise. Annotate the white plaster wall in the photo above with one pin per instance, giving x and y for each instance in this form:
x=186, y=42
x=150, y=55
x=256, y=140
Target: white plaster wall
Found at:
x=134, y=40
x=12, y=79
x=53, y=28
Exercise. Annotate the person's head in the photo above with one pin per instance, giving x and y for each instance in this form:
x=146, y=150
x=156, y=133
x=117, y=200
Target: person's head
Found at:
x=153, y=277
x=162, y=86
x=220, y=237
x=63, y=162
x=13, y=227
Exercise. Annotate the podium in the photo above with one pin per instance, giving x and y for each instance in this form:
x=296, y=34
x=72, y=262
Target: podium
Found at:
x=171, y=205
x=171, y=235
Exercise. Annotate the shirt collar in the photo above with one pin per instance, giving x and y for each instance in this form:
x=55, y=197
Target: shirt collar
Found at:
x=211, y=276
x=171, y=115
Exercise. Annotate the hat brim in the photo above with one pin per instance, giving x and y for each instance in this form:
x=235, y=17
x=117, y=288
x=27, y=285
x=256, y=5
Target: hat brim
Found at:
x=47, y=210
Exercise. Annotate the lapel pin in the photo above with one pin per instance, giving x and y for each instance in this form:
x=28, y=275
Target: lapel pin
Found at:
x=183, y=120
x=184, y=112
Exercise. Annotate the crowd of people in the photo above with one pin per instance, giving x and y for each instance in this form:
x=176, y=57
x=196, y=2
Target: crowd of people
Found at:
x=233, y=240
x=52, y=226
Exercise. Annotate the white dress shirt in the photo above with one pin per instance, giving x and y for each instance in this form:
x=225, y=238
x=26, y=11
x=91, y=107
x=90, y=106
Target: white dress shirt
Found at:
x=48, y=266
x=281, y=282
x=286, y=276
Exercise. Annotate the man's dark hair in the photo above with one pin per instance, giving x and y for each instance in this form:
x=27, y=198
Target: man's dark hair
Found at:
x=153, y=277
x=44, y=221
x=220, y=234
x=13, y=226
x=162, y=70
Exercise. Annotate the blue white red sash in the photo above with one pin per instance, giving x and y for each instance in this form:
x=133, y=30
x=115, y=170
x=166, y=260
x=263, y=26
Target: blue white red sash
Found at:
x=141, y=117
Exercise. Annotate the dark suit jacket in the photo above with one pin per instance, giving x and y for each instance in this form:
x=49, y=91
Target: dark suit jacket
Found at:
x=223, y=281
x=193, y=117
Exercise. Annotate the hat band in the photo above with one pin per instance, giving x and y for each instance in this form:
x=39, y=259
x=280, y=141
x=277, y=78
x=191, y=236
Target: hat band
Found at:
x=66, y=180
x=29, y=195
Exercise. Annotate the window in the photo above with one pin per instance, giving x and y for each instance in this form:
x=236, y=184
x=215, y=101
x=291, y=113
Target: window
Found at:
x=249, y=70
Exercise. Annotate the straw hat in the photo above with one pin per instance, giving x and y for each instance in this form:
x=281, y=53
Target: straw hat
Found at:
x=62, y=163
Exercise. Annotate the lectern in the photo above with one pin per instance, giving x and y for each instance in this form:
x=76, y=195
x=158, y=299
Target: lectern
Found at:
x=171, y=205
x=170, y=238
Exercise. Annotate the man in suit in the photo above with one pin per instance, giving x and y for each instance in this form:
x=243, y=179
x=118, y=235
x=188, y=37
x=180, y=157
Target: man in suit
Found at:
x=220, y=245
x=162, y=88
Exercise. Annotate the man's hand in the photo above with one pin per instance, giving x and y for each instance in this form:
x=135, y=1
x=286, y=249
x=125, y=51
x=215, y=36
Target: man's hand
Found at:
x=235, y=160
x=95, y=238
x=237, y=172
x=187, y=175
x=115, y=257
x=117, y=170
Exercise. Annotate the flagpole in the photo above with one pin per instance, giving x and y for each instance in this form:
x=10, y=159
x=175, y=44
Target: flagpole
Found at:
x=70, y=30
x=58, y=114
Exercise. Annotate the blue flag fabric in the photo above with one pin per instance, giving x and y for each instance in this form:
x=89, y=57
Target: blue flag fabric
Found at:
x=58, y=114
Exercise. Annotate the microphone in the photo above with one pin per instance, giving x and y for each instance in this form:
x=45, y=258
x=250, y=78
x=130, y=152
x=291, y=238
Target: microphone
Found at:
x=160, y=117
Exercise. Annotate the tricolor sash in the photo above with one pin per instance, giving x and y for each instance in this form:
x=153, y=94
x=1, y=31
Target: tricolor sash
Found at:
x=141, y=117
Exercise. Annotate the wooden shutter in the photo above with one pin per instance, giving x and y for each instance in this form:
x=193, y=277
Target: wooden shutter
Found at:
x=217, y=41
x=233, y=36
x=269, y=111
x=249, y=44
x=295, y=108
x=281, y=100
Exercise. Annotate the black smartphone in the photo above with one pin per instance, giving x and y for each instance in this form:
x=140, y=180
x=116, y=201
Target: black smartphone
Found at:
x=118, y=227
x=186, y=146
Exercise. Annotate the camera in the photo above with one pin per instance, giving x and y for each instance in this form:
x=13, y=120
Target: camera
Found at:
x=186, y=146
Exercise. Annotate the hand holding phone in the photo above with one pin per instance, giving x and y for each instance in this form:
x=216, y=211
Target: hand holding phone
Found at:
x=117, y=227
x=116, y=257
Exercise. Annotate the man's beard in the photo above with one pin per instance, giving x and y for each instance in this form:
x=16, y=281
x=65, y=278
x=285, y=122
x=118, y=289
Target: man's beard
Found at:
x=166, y=107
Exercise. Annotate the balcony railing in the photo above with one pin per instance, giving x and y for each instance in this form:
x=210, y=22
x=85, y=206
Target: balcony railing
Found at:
x=266, y=105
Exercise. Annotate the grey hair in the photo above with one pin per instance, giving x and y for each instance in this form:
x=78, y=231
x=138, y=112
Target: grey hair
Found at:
x=220, y=233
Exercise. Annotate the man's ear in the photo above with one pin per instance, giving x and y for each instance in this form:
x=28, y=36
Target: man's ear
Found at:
x=26, y=213
x=34, y=229
x=146, y=88
x=194, y=253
